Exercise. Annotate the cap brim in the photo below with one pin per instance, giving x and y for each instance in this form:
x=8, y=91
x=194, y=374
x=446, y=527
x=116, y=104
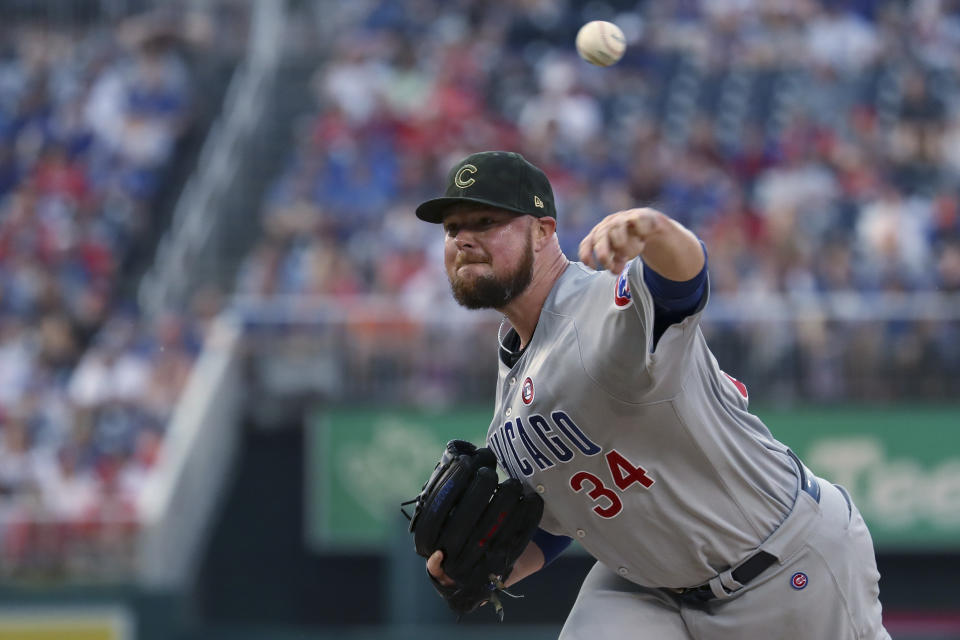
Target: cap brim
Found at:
x=433, y=210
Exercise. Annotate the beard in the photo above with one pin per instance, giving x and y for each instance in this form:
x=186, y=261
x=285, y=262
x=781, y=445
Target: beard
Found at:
x=494, y=292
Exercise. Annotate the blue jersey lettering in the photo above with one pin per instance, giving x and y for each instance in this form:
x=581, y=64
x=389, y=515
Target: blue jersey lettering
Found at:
x=556, y=446
x=497, y=447
x=573, y=432
x=524, y=466
x=542, y=461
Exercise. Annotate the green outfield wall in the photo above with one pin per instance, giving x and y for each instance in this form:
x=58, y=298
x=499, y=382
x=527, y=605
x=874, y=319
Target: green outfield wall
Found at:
x=901, y=464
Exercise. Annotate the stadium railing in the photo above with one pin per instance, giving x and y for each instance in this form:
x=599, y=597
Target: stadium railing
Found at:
x=198, y=211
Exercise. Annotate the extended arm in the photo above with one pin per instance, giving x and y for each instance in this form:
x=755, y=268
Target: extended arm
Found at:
x=665, y=245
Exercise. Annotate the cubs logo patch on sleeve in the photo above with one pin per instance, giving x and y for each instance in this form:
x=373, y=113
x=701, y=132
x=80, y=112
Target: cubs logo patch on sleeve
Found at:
x=798, y=580
x=621, y=295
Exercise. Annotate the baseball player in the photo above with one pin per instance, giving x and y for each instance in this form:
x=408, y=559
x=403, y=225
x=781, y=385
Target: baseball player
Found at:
x=611, y=407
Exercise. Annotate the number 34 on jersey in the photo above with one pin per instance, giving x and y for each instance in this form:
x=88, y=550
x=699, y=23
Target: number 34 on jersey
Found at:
x=524, y=445
x=624, y=475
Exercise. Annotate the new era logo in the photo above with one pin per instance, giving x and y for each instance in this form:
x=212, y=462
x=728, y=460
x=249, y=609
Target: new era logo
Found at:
x=537, y=202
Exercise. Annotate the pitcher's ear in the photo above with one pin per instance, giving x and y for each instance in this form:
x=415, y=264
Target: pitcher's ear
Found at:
x=546, y=227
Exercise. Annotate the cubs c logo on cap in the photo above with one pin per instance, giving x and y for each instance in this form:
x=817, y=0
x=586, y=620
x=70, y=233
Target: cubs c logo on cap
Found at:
x=798, y=580
x=459, y=178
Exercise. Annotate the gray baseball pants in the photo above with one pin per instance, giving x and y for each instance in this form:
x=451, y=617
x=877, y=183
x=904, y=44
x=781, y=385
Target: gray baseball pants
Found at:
x=825, y=587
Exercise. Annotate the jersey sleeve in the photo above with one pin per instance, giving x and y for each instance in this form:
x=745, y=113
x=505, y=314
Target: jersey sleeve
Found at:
x=674, y=300
x=551, y=545
x=621, y=343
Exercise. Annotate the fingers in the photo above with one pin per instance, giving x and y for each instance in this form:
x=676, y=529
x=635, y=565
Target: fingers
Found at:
x=643, y=222
x=435, y=568
x=604, y=252
x=585, y=252
x=623, y=246
x=617, y=239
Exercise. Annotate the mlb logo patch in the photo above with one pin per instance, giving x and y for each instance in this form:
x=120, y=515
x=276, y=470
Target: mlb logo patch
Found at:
x=526, y=392
x=621, y=295
x=798, y=580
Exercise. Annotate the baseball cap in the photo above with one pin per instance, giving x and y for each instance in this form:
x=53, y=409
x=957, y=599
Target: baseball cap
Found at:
x=501, y=179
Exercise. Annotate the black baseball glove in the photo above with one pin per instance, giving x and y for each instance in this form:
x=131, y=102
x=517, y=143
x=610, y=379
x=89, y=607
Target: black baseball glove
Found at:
x=481, y=526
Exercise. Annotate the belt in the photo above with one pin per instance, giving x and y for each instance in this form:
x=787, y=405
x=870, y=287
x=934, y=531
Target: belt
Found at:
x=758, y=562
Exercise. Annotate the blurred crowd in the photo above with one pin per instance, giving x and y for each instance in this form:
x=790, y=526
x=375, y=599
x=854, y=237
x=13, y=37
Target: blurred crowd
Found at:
x=90, y=117
x=814, y=145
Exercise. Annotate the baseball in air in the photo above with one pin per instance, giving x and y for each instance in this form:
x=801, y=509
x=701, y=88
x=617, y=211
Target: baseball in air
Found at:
x=601, y=43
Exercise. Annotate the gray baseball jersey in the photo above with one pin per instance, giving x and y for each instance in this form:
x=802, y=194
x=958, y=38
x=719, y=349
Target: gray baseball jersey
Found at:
x=651, y=460
x=648, y=457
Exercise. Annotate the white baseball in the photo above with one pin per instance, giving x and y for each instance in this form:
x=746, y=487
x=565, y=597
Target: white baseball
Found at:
x=601, y=43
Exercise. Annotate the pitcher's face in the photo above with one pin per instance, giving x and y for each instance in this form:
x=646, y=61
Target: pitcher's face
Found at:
x=488, y=254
